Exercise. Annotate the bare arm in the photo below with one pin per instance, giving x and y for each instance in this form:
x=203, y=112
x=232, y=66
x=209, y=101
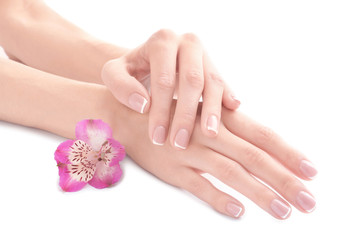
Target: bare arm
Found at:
x=37, y=99
x=37, y=36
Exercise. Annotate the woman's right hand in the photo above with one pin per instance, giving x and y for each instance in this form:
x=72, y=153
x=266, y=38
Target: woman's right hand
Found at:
x=243, y=149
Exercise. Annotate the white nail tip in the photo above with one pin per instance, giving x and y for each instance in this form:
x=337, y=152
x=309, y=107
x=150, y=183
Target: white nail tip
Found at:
x=311, y=210
x=179, y=146
x=286, y=214
x=144, y=105
x=156, y=143
x=239, y=212
x=280, y=208
x=212, y=129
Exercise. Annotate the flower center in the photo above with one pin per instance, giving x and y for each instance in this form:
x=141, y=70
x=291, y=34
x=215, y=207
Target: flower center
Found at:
x=100, y=155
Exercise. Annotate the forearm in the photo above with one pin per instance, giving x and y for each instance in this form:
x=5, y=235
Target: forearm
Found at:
x=37, y=99
x=40, y=38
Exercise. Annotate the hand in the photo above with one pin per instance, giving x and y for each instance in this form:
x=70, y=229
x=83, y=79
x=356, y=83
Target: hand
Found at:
x=242, y=149
x=160, y=59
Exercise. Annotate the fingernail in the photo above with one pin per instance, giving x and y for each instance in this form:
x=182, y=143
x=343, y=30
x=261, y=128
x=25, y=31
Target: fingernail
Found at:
x=306, y=201
x=182, y=139
x=159, y=135
x=235, y=98
x=280, y=208
x=212, y=124
x=233, y=210
x=137, y=102
x=308, y=169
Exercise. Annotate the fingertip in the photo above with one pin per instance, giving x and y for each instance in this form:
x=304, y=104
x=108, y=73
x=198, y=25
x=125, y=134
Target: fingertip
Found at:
x=159, y=136
x=146, y=105
x=235, y=100
x=230, y=101
x=280, y=209
x=182, y=138
x=210, y=126
x=234, y=209
x=138, y=103
x=308, y=170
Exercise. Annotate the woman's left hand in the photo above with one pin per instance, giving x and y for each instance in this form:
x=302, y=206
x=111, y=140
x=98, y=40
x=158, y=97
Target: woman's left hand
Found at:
x=171, y=62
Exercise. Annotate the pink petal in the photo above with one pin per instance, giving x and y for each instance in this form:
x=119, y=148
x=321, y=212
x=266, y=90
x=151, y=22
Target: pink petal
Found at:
x=105, y=176
x=67, y=183
x=93, y=132
x=79, y=151
x=62, y=152
x=75, y=164
x=117, y=152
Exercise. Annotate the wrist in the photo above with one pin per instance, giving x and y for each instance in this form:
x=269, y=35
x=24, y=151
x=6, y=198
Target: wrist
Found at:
x=118, y=116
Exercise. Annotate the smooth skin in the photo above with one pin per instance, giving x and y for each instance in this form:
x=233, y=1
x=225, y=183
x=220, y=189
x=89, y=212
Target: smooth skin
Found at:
x=236, y=156
x=159, y=60
x=242, y=151
x=38, y=37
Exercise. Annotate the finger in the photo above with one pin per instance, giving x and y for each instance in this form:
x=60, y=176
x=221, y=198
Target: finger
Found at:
x=191, y=84
x=127, y=89
x=162, y=53
x=204, y=190
x=212, y=99
x=266, y=139
x=232, y=174
x=230, y=101
x=264, y=167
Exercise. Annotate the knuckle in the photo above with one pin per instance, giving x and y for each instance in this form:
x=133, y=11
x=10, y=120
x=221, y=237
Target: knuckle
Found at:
x=194, y=186
x=228, y=170
x=288, y=183
x=188, y=117
x=253, y=156
x=265, y=135
x=164, y=35
x=262, y=196
x=195, y=79
x=108, y=67
x=109, y=70
x=190, y=37
x=166, y=80
x=215, y=77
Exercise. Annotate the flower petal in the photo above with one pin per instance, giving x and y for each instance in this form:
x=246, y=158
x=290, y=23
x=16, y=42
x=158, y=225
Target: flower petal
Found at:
x=105, y=176
x=62, y=152
x=76, y=162
x=82, y=161
x=93, y=132
x=114, y=152
x=67, y=183
x=79, y=151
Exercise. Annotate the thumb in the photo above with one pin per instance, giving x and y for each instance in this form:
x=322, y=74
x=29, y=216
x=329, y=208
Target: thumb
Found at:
x=125, y=88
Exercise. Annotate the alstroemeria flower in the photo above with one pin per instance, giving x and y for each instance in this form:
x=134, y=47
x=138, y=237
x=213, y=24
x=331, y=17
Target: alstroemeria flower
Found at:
x=93, y=157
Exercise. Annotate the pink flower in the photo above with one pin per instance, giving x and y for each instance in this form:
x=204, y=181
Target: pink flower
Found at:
x=92, y=158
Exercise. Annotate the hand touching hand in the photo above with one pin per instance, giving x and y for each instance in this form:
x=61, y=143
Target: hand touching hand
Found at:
x=243, y=149
x=170, y=62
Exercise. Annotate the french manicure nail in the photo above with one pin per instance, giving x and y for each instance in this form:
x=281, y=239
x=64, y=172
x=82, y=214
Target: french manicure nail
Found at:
x=280, y=208
x=235, y=98
x=308, y=169
x=233, y=209
x=159, y=135
x=212, y=124
x=182, y=139
x=137, y=102
x=306, y=201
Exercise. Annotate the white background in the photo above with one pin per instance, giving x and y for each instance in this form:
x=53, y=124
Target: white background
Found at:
x=294, y=65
